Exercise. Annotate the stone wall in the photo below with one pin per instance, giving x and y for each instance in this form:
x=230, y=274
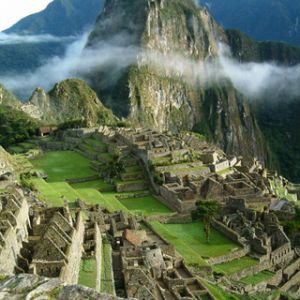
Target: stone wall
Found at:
x=291, y=269
x=229, y=257
x=81, y=180
x=70, y=272
x=282, y=255
x=98, y=256
x=251, y=270
x=14, y=236
x=293, y=281
x=131, y=187
x=231, y=234
x=172, y=201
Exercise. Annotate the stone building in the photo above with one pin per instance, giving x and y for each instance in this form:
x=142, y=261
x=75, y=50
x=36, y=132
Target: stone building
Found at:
x=14, y=220
x=56, y=244
x=150, y=273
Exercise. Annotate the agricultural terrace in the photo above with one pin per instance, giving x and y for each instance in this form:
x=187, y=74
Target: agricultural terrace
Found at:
x=190, y=241
x=88, y=273
x=235, y=266
x=62, y=165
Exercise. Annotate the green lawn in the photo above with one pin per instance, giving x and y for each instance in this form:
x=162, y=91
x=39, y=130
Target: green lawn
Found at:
x=147, y=205
x=88, y=273
x=191, y=256
x=66, y=191
x=105, y=156
x=107, y=200
x=62, y=165
x=106, y=274
x=236, y=265
x=259, y=277
x=133, y=169
x=47, y=192
x=93, y=141
x=193, y=235
x=97, y=185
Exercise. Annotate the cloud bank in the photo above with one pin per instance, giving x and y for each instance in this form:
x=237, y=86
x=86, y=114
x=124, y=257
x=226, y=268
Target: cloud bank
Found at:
x=14, y=39
x=254, y=80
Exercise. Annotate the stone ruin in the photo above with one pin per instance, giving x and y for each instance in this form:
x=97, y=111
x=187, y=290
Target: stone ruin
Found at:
x=264, y=239
x=14, y=221
x=152, y=273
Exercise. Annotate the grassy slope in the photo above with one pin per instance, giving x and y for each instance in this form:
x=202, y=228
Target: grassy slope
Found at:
x=88, y=273
x=193, y=235
x=148, y=205
x=235, y=265
x=106, y=274
x=61, y=165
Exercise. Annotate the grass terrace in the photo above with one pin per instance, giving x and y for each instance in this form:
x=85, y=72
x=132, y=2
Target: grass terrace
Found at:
x=47, y=192
x=193, y=236
x=235, y=266
x=88, y=273
x=62, y=165
x=257, y=278
x=107, y=285
x=147, y=205
x=107, y=200
x=96, y=185
x=191, y=256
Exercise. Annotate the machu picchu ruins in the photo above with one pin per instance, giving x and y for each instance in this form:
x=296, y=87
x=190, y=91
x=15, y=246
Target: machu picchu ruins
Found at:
x=114, y=212
x=148, y=152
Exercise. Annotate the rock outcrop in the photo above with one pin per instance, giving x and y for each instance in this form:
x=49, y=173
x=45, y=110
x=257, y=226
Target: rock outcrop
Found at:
x=7, y=98
x=69, y=100
x=33, y=287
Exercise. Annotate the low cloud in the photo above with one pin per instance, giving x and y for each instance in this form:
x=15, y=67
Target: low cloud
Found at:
x=77, y=61
x=261, y=80
x=254, y=80
x=14, y=39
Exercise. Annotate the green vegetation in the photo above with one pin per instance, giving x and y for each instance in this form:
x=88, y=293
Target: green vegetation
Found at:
x=206, y=211
x=281, y=191
x=235, y=265
x=47, y=192
x=218, y=292
x=88, y=273
x=66, y=191
x=191, y=256
x=257, y=278
x=189, y=240
x=15, y=126
x=193, y=235
x=147, y=205
x=106, y=270
x=62, y=165
x=107, y=200
x=96, y=184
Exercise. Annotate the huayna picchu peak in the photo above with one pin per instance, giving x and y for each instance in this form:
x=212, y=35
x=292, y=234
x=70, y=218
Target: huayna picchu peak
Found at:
x=155, y=96
x=155, y=159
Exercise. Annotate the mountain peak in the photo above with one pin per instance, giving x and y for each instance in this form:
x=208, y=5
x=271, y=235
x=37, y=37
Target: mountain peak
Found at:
x=60, y=18
x=148, y=93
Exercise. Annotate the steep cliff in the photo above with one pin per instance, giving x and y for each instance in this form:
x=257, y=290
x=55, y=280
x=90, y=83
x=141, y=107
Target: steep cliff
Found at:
x=71, y=99
x=147, y=90
x=278, y=117
x=7, y=98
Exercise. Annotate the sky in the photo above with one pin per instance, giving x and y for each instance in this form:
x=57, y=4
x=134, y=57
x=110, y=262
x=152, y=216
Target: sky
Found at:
x=12, y=11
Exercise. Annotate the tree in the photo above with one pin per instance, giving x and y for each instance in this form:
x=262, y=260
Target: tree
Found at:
x=112, y=169
x=206, y=211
